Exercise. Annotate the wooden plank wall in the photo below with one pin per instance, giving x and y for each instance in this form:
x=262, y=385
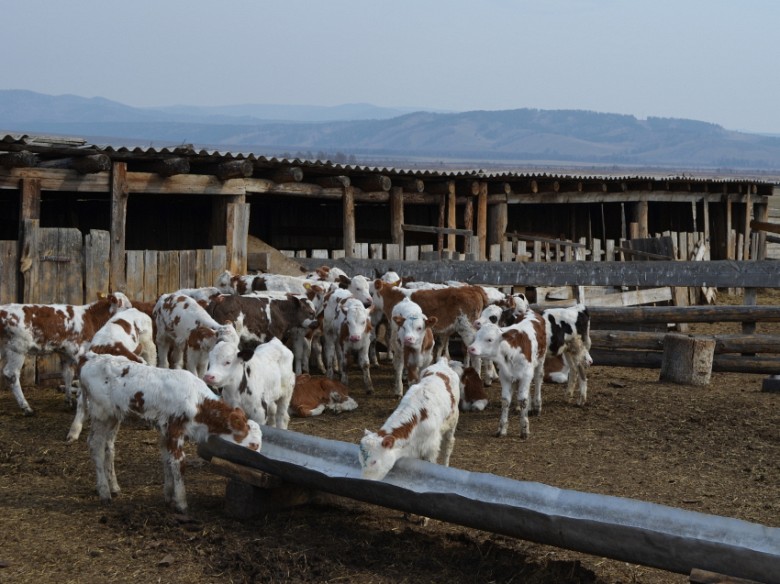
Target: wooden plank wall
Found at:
x=151, y=273
x=9, y=268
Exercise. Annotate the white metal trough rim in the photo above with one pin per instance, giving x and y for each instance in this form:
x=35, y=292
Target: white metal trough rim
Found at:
x=624, y=529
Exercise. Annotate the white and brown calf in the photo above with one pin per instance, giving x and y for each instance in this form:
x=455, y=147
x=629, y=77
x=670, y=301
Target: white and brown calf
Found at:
x=259, y=381
x=40, y=329
x=346, y=329
x=266, y=315
x=518, y=352
x=314, y=395
x=229, y=283
x=422, y=426
x=411, y=340
x=455, y=309
x=568, y=338
x=128, y=334
x=178, y=403
x=186, y=333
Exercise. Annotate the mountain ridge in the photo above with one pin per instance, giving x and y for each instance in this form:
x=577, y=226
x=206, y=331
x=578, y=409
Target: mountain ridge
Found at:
x=518, y=135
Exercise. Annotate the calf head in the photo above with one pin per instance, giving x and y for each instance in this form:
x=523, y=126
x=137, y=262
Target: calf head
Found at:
x=486, y=342
x=356, y=321
x=231, y=424
x=377, y=455
x=411, y=329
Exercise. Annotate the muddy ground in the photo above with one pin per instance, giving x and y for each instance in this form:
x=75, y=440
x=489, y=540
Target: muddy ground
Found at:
x=713, y=449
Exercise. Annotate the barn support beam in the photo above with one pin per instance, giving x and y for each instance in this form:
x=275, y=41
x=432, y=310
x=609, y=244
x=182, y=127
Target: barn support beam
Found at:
x=348, y=223
x=119, y=196
x=482, y=220
x=397, y=217
x=452, y=219
x=619, y=528
x=237, y=230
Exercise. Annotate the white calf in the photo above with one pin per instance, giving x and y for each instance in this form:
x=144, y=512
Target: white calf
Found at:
x=346, y=329
x=180, y=404
x=260, y=382
x=422, y=426
x=518, y=352
x=126, y=334
x=411, y=340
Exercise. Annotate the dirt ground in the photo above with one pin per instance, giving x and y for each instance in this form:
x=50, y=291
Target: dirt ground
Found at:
x=712, y=449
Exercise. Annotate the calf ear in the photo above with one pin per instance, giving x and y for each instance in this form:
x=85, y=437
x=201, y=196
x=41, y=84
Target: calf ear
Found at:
x=343, y=281
x=399, y=320
x=388, y=441
x=431, y=321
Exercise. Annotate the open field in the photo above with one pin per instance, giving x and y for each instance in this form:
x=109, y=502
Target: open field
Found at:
x=714, y=449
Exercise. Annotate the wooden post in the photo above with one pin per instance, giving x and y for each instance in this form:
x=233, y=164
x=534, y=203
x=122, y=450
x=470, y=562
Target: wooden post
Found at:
x=236, y=235
x=498, y=218
x=746, y=229
x=641, y=219
x=687, y=359
x=482, y=219
x=440, y=235
x=348, y=224
x=119, y=195
x=451, y=214
x=397, y=216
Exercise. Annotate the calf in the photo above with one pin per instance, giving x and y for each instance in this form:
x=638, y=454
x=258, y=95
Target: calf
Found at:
x=411, y=341
x=346, y=329
x=518, y=352
x=185, y=333
x=260, y=382
x=313, y=395
x=455, y=308
x=473, y=396
x=39, y=329
x=180, y=404
x=422, y=426
x=568, y=337
x=127, y=334
x=284, y=316
x=229, y=283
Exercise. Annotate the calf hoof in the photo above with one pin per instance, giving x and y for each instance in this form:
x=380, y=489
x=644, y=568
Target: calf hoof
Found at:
x=28, y=412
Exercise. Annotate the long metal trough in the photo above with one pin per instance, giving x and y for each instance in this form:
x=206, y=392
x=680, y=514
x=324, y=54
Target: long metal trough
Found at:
x=623, y=529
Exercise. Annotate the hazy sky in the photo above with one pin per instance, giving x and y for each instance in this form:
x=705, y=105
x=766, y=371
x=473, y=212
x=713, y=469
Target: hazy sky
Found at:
x=711, y=60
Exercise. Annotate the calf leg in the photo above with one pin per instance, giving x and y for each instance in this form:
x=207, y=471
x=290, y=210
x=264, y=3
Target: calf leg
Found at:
x=523, y=387
x=536, y=400
x=365, y=366
x=102, y=436
x=11, y=370
x=173, y=489
x=78, y=420
x=67, y=368
x=506, y=398
x=398, y=367
x=447, y=444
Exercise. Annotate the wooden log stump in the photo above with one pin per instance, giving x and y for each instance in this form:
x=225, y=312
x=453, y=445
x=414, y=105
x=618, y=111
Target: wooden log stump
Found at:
x=252, y=493
x=687, y=359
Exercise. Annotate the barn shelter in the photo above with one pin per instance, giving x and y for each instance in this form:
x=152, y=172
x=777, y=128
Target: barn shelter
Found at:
x=78, y=219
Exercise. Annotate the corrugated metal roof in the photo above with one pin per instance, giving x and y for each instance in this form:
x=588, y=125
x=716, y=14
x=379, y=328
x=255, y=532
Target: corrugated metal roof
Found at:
x=189, y=150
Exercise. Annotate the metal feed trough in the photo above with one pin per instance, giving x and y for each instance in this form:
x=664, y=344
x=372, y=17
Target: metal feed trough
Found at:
x=623, y=529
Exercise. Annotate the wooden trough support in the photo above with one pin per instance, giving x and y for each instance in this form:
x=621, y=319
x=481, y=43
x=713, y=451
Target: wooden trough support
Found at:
x=623, y=529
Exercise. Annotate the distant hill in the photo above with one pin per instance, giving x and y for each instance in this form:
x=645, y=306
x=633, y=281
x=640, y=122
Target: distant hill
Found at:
x=510, y=136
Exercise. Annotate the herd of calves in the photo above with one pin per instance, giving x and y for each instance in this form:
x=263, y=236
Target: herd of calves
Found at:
x=253, y=338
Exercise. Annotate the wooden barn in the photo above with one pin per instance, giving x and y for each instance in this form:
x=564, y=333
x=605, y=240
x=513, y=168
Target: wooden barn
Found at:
x=77, y=219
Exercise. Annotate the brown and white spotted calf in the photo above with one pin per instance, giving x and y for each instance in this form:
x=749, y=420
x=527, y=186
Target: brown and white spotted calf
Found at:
x=518, y=352
x=314, y=395
x=422, y=426
x=39, y=329
x=185, y=333
x=180, y=404
x=128, y=334
x=455, y=309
